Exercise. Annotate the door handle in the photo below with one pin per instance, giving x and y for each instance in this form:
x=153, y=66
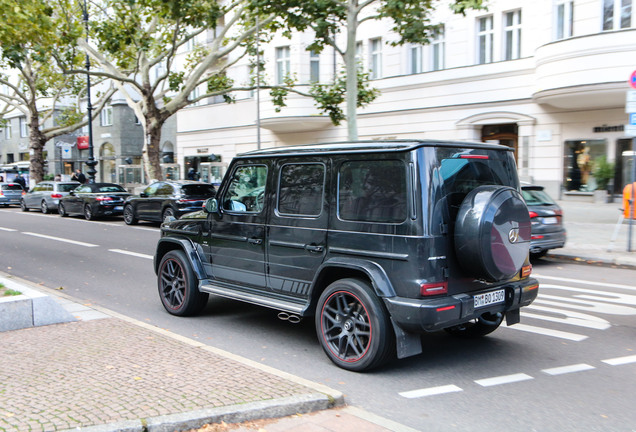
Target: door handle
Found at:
x=255, y=241
x=314, y=248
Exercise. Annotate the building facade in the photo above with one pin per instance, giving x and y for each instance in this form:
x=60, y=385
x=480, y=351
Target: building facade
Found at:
x=547, y=78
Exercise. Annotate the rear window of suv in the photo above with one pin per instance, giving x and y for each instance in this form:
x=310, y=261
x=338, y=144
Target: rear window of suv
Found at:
x=16, y=187
x=372, y=191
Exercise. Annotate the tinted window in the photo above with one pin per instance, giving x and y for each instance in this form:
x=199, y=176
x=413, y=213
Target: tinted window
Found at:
x=372, y=191
x=247, y=189
x=83, y=189
x=65, y=187
x=201, y=190
x=536, y=197
x=301, y=189
x=12, y=187
x=111, y=188
x=165, y=189
x=152, y=189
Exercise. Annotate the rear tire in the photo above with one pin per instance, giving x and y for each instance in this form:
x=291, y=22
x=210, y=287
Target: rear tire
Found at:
x=168, y=212
x=88, y=213
x=178, y=285
x=353, y=327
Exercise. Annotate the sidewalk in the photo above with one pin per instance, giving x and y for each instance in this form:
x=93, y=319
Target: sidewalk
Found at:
x=105, y=372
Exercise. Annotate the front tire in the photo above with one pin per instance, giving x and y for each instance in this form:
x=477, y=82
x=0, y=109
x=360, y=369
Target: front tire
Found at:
x=129, y=215
x=485, y=324
x=61, y=210
x=44, y=207
x=23, y=206
x=353, y=327
x=178, y=287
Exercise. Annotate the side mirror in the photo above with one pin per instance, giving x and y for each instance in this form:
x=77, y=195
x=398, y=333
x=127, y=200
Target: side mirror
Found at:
x=143, y=195
x=72, y=193
x=212, y=206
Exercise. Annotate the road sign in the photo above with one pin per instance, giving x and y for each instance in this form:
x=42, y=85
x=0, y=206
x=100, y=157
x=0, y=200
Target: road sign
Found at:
x=632, y=118
x=630, y=130
x=632, y=80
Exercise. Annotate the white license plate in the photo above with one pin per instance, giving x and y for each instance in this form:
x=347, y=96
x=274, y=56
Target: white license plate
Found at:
x=550, y=220
x=489, y=298
x=118, y=208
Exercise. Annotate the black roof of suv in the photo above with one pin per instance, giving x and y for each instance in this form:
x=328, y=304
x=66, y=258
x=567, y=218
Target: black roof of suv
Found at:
x=377, y=241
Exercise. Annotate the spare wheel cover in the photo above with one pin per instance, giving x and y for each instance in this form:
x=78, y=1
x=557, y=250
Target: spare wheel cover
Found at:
x=492, y=233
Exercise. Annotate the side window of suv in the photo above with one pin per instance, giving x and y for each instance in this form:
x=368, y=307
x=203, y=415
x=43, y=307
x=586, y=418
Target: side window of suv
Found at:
x=152, y=189
x=301, y=189
x=372, y=191
x=165, y=189
x=246, y=190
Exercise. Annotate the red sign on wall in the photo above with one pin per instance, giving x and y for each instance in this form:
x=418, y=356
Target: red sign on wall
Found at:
x=82, y=142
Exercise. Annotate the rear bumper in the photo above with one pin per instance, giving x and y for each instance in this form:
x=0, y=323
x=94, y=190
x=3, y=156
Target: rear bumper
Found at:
x=9, y=201
x=422, y=315
x=551, y=240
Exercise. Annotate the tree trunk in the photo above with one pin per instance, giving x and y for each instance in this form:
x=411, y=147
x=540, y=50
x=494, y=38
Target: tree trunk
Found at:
x=152, y=151
x=37, y=140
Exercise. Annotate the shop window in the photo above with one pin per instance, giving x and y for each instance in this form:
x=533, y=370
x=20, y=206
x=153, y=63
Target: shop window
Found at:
x=579, y=161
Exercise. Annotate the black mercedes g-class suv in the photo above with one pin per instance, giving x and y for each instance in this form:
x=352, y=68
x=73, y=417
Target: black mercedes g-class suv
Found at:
x=378, y=241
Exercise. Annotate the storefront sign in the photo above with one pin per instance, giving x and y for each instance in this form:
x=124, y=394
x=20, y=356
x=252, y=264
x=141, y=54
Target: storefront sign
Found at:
x=606, y=128
x=203, y=151
x=82, y=142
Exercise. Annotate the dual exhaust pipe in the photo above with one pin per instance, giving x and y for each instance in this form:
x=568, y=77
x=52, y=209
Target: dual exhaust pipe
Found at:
x=292, y=318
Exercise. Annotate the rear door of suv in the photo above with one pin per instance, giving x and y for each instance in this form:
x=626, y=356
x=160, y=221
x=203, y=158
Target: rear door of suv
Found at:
x=297, y=234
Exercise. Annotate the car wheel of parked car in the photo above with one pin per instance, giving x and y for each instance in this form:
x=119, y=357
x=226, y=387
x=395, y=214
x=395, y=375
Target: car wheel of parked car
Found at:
x=23, y=206
x=61, y=210
x=353, y=327
x=178, y=286
x=492, y=233
x=485, y=324
x=129, y=215
x=88, y=213
x=44, y=207
x=168, y=212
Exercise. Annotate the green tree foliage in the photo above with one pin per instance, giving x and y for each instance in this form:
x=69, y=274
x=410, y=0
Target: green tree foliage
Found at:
x=32, y=35
x=335, y=23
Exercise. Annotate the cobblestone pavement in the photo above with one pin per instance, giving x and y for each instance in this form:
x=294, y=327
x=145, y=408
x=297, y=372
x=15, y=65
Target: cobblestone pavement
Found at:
x=106, y=371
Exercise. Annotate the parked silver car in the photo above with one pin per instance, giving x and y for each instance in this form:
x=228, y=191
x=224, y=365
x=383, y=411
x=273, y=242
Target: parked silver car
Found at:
x=46, y=195
x=10, y=194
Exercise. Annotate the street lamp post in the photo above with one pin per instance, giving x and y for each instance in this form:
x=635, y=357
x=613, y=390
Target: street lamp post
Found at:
x=91, y=162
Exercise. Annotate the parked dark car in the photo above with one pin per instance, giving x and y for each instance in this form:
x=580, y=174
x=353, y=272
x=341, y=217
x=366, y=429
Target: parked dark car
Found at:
x=377, y=242
x=46, y=195
x=165, y=199
x=94, y=200
x=546, y=218
x=10, y=194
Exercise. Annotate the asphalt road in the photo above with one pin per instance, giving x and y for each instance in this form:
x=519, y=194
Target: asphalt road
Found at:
x=569, y=366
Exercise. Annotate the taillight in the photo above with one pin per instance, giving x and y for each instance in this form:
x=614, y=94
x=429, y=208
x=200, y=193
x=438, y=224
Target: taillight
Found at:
x=533, y=214
x=473, y=157
x=1, y=193
x=23, y=192
x=182, y=200
x=56, y=195
x=100, y=198
x=435, y=288
x=536, y=237
x=526, y=270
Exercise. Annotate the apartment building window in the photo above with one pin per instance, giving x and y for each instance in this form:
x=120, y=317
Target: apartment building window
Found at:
x=106, y=116
x=415, y=59
x=617, y=14
x=512, y=35
x=359, y=59
x=10, y=158
x=314, y=66
x=24, y=127
x=7, y=130
x=437, y=49
x=282, y=64
x=564, y=19
x=375, y=58
x=485, y=39
x=193, y=95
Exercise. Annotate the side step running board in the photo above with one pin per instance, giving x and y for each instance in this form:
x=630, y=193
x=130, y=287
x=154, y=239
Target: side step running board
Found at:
x=273, y=303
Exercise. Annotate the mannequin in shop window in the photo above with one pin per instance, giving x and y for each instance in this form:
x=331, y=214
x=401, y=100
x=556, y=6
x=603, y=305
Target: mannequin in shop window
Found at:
x=584, y=161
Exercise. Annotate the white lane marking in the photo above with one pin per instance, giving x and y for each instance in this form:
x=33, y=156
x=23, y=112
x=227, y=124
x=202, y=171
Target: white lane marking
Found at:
x=562, y=279
x=548, y=332
x=505, y=379
x=7, y=229
x=568, y=369
x=431, y=391
x=585, y=305
x=135, y=254
x=617, y=361
x=61, y=239
x=571, y=318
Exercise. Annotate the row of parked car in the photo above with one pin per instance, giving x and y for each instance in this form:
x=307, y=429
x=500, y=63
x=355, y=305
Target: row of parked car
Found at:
x=158, y=201
x=174, y=198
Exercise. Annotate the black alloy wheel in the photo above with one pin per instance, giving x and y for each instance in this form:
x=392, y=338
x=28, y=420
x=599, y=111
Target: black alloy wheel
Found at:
x=485, y=324
x=61, y=210
x=177, y=285
x=353, y=326
x=129, y=215
x=88, y=212
x=167, y=213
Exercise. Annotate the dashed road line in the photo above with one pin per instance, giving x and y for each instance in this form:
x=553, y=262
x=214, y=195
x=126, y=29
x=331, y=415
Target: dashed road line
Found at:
x=617, y=361
x=7, y=229
x=504, y=379
x=431, y=391
x=78, y=243
x=135, y=254
x=548, y=332
x=568, y=369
